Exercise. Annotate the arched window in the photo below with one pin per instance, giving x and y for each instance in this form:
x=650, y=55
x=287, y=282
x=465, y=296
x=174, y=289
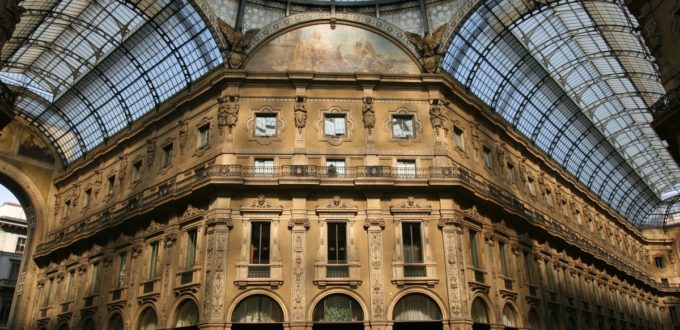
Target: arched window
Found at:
x=87, y=324
x=148, y=319
x=116, y=322
x=187, y=314
x=534, y=321
x=257, y=309
x=338, y=308
x=417, y=311
x=509, y=317
x=63, y=326
x=480, y=315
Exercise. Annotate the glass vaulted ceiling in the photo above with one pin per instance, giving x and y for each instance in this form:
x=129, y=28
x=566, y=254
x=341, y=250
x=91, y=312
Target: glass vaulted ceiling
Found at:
x=576, y=78
x=83, y=70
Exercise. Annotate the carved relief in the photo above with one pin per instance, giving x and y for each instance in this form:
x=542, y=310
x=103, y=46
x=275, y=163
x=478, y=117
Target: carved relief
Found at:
x=150, y=151
x=238, y=42
x=227, y=113
x=368, y=114
x=376, y=272
x=427, y=45
x=261, y=202
x=300, y=112
x=183, y=133
x=298, y=274
x=122, y=168
x=437, y=117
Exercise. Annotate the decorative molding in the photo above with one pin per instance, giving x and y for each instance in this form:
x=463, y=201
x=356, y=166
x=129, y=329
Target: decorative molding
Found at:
x=191, y=213
x=300, y=112
x=319, y=125
x=411, y=206
x=265, y=140
x=227, y=113
x=336, y=205
x=417, y=126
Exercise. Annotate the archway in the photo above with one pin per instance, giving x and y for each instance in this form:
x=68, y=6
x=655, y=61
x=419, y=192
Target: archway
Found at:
x=338, y=312
x=187, y=315
x=534, y=320
x=417, y=311
x=510, y=318
x=257, y=312
x=480, y=315
x=571, y=323
x=148, y=320
x=87, y=324
x=116, y=322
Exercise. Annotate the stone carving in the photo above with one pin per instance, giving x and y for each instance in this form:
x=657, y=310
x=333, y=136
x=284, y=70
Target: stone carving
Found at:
x=122, y=169
x=227, y=113
x=410, y=203
x=300, y=112
x=150, y=151
x=57, y=203
x=427, y=45
x=217, y=301
x=238, y=42
x=192, y=211
x=261, y=202
x=298, y=275
x=10, y=16
x=376, y=272
x=183, y=133
x=452, y=272
x=650, y=31
x=207, y=298
x=368, y=114
x=336, y=203
x=97, y=185
x=437, y=118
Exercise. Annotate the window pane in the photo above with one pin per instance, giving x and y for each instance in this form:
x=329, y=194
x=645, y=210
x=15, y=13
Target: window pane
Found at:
x=153, y=258
x=336, y=167
x=406, y=168
x=121, y=269
x=259, y=243
x=402, y=126
x=334, y=125
x=337, y=243
x=191, y=248
x=473, y=250
x=412, y=242
x=264, y=167
x=265, y=125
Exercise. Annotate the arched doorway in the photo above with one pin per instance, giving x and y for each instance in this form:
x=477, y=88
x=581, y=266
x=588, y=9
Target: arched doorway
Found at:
x=338, y=312
x=417, y=311
x=187, y=315
x=116, y=322
x=534, y=321
x=87, y=324
x=480, y=315
x=148, y=320
x=509, y=318
x=571, y=323
x=257, y=312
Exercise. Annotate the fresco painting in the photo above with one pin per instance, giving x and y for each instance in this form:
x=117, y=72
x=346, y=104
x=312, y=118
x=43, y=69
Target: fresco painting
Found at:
x=322, y=49
x=8, y=136
x=32, y=147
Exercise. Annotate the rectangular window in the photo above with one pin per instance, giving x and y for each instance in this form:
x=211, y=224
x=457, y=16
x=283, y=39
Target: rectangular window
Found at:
x=111, y=181
x=458, y=138
x=675, y=318
x=259, y=243
x=337, y=243
x=122, y=265
x=335, y=167
x=21, y=245
x=191, y=248
x=510, y=173
x=413, y=249
x=203, y=135
x=503, y=257
x=265, y=124
x=487, y=157
x=334, y=125
x=565, y=209
x=48, y=293
x=137, y=170
x=167, y=155
x=406, y=168
x=69, y=290
x=264, y=167
x=474, y=253
x=659, y=262
x=530, y=186
x=87, y=198
x=153, y=261
x=528, y=268
x=14, y=270
x=67, y=208
x=402, y=126
x=548, y=197
x=95, y=278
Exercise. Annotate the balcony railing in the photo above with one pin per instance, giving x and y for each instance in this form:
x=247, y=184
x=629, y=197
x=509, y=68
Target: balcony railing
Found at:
x=259, y=271
x=414, y=270
x=337, y=271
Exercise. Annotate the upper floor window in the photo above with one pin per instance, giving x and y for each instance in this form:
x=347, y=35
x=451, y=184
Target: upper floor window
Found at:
x=153, y=260
x=259, y=249
x=190, y=260
x=203, y=135
x=69, y=289
x=122, y=266
x=67, y=208
x=413, y=249
x=510, y=172
x=402, y=126
x=264, y=167
x=406, y=168
x=265, y=124
x=87, y=198
x=14, y=270
x=137, y=170
x=334, y=125
x=548, y=197
x=94, y=279
x=21, y=245
x=530, y=186
x=168, y=151
x=487, y=157
x=337, y=243
x=528, y=268
x=659, y=262
x=111, y=181
x=335, y=167
x=458, y=138
x=503, y=258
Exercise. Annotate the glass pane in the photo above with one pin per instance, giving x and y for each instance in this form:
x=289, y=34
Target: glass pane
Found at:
x=338, y=308
x=402, y=126
x=265, y=125
x=406, y=168
x=416, y=307
x=187, y=314
x=412, y=242
x=257, y=309
x=191, y=248
x=259, y=243
x=337, y=243
x=334, y=125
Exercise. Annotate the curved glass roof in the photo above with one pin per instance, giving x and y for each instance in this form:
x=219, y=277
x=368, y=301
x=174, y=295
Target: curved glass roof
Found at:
x=576, y=78
x=83, y=70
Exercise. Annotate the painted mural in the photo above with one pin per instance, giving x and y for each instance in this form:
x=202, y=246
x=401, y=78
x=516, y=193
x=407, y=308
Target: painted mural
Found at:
x=32, y=147
x=344, y=49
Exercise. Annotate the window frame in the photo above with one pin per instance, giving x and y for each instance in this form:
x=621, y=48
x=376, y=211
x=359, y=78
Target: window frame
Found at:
x=336, y=115
x=395, y=117
x=458, y=138
x=111, y=185
x=406, y=172
x=265, y=116
x=487, y=157
x=336, y=171
x=168, y=154
x=137, y=170
x=203, y=136
x=20, y=245
x=264, y=170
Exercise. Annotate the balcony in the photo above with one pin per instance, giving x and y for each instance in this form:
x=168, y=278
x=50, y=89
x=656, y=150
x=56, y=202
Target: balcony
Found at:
x=259, y=271
x=415, y=270
x=188, y=280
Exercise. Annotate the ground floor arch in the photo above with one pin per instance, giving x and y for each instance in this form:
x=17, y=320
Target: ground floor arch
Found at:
x=257, y=312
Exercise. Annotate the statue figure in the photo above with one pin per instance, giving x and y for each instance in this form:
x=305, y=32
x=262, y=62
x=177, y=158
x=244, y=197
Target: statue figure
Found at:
x=150, y=151
x=237, y=41
x=122, y=170
x=369, y=114
x=428, y=46
x=300, y=112
x=10, y=16
x=436, y=115
x=183, y=133
x=227, y=113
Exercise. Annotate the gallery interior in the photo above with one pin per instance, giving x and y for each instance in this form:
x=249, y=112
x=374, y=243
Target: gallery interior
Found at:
x=343, y=164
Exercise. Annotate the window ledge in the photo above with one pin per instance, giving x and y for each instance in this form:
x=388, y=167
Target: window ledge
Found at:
x=271, y=282
x=347, y=281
